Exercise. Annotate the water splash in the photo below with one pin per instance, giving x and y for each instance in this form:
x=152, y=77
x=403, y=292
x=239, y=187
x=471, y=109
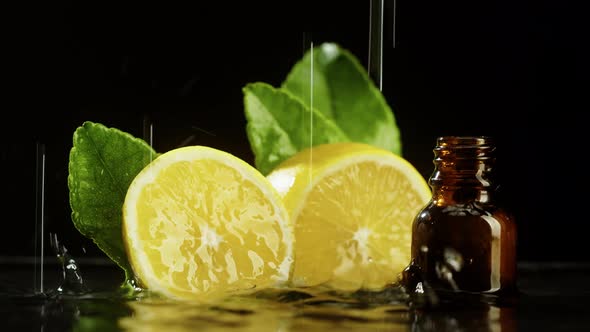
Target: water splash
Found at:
x=440, y=292
x=418, y=288
x=415, y=283
x=72, y=282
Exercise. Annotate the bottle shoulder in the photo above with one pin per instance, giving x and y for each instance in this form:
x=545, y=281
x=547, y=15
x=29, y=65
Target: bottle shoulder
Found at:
x=434, y=211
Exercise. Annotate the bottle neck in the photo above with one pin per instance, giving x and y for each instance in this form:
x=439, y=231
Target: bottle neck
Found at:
x=463, y=170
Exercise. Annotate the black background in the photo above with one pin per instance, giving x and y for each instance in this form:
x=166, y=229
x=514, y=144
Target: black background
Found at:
x=514, y=70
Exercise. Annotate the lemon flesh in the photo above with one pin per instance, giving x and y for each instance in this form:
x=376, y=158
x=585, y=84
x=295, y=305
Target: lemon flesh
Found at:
x=200, y=223
x=352, y=206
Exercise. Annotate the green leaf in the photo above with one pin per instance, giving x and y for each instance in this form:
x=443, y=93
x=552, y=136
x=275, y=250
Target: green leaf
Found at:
x=280, y=125
x=103, y=162
x=343, y=92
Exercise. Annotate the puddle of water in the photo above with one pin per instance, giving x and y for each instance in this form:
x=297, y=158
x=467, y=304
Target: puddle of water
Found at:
x=275, y=310
x=73, y=305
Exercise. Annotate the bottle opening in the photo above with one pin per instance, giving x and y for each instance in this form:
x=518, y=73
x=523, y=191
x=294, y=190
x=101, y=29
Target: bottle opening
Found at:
x=464, y=141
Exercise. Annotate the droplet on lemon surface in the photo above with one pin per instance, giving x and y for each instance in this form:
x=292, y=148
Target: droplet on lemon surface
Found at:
x=352, y=206
x=200, y=223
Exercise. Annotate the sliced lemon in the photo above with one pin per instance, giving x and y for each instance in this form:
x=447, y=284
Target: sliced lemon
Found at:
x=352, y=206
x=200, y=223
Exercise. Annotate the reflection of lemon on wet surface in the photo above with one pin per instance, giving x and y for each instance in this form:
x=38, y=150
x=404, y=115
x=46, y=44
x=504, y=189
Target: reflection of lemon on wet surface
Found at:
x=200, y=223
x=352, y=206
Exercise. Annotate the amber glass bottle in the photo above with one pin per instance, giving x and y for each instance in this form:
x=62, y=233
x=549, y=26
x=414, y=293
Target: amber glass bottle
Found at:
x=463, y=240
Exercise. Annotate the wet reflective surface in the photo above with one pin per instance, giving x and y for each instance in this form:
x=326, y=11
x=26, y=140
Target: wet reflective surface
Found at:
x=552, y=297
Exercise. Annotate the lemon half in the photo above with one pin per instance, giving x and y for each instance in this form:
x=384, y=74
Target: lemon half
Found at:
x=352, y=206
x=200, y=223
